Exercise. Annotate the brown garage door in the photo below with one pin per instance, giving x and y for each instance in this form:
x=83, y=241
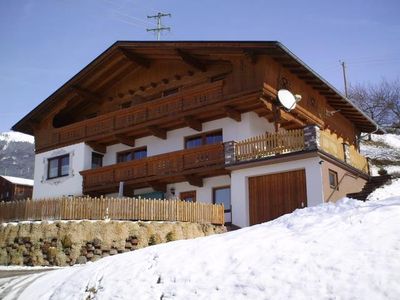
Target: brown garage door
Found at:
x=271, y=196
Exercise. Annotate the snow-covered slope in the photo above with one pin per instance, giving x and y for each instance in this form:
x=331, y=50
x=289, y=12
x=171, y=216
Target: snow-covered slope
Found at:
x=384, y=152
x=12, y=136
x=347, y=250
x=16, y=154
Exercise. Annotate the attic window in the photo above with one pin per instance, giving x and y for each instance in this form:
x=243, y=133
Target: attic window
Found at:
x=170, y=92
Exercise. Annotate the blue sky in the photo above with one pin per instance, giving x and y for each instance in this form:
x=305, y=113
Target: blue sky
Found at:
x=44, y=43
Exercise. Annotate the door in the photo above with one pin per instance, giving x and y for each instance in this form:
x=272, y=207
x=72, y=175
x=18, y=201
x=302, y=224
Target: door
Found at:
x=271, y=196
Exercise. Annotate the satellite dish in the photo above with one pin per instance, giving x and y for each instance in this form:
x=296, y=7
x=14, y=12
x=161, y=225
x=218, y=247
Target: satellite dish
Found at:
x=287, y=99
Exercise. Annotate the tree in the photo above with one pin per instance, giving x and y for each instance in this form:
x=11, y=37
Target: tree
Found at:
x=380, y=101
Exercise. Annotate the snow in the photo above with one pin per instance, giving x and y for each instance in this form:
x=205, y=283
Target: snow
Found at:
x=18, y=180
x=347, y=250
x=386, y=191
x=13, y=136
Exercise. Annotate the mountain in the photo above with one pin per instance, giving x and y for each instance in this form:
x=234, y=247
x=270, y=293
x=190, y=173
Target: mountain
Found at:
x=17, y=155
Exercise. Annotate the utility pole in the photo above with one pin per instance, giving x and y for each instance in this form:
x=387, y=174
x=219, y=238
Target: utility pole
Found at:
x=159, y=25
x=344, y=77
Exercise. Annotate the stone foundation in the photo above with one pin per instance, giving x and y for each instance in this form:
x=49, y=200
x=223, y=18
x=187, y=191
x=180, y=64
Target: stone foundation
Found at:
x=62, y=243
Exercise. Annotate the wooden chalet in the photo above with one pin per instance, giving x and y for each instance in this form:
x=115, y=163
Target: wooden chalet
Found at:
x=199, y=121
x=15, y=188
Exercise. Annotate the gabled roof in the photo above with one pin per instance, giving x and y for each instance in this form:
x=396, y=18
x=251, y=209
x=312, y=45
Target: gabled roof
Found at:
x=141, y=53
x=18, y=180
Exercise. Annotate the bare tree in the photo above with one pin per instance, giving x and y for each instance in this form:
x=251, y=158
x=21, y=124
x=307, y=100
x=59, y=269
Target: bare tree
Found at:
x=375, y=100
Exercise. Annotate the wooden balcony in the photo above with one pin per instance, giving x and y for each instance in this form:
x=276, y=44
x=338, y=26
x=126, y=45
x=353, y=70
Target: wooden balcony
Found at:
x=272, y=144
x=156, y=171
x=187, y=108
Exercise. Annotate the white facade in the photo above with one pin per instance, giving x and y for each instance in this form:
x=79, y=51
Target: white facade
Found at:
x=240, y=187
x=80, y=156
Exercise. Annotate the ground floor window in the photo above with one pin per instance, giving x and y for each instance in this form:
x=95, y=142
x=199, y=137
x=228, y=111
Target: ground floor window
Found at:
x=333, y=179
x=58, y=166
x=189, y=196
x=222, y=195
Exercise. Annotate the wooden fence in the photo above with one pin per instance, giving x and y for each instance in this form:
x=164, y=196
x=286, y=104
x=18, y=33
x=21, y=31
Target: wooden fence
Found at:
x=270, y=144
x=81, y=208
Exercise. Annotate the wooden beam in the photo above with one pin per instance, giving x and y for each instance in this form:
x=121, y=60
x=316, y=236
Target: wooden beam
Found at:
x=284, y=115
x=123, y=139
x=97, y=146
x=86, y=95
x=233, y=113
x=194, y=180
x=136, y=58
x=158, y=186
x=191, y=60
x=250, y=54
x=193, y=123
x=158, y=132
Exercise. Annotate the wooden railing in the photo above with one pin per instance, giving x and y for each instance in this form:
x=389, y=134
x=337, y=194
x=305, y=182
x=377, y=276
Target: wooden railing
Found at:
x=138, y=115
x=111, y=208
x=153, y=167
x=331, y=144
x=358, y=161
x=270, y=144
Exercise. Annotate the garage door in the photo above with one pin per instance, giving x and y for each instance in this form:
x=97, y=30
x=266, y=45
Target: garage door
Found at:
x=271, y=196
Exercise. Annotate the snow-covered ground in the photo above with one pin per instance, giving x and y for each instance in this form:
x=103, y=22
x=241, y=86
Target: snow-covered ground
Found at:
x=384, y=151
x=347, y=250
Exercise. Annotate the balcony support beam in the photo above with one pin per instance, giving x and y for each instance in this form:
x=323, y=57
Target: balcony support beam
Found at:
x=194, y=180
x=97, y=147
x=233, y=113
x=158, y=186
x=123, y=139
x=158, y=132
x=193, y=123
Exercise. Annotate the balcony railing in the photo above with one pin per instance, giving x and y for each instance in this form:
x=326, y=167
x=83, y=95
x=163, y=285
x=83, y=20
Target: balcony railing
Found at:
x=271, y=144
x=143, y=115
x=153, y=168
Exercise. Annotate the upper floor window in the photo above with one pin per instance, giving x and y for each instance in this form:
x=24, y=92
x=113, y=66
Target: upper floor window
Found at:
x=58, y=166
x=97, y=160
x=131, y=154
x=202, y=139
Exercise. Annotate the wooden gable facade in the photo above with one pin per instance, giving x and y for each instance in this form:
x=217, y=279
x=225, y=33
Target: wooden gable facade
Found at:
x=138, y=89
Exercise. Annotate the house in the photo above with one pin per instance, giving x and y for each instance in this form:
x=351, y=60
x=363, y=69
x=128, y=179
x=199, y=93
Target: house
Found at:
x=200, y=121
x=15, y=188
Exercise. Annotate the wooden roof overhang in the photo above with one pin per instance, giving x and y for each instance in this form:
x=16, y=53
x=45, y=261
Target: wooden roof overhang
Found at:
x=111, y=66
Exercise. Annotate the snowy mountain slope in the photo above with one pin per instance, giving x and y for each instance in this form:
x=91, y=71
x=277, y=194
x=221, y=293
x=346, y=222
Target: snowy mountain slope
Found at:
x=16, y=154
x=347, y=250
x=384, y=152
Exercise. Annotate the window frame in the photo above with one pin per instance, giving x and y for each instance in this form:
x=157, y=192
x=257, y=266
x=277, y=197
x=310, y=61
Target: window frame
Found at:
x=98, y=155
x=59, y=166
x=335, y=176
x=187, y=194
x=133, y=150
x=203, y=137
x=214, y=189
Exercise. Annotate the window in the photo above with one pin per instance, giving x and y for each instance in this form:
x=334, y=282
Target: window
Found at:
x=97, y=160
x=202, y=139
x=189, y=196
x=132, y=154
x=58, y=166
x=222, y=195
x=333, y=179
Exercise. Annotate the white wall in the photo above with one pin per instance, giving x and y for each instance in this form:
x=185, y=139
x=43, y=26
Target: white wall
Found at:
x=79, y=159
x=240, y=192
x=250, y=125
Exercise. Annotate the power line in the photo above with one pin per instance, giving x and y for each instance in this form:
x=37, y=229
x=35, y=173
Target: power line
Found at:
x=159, y=27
